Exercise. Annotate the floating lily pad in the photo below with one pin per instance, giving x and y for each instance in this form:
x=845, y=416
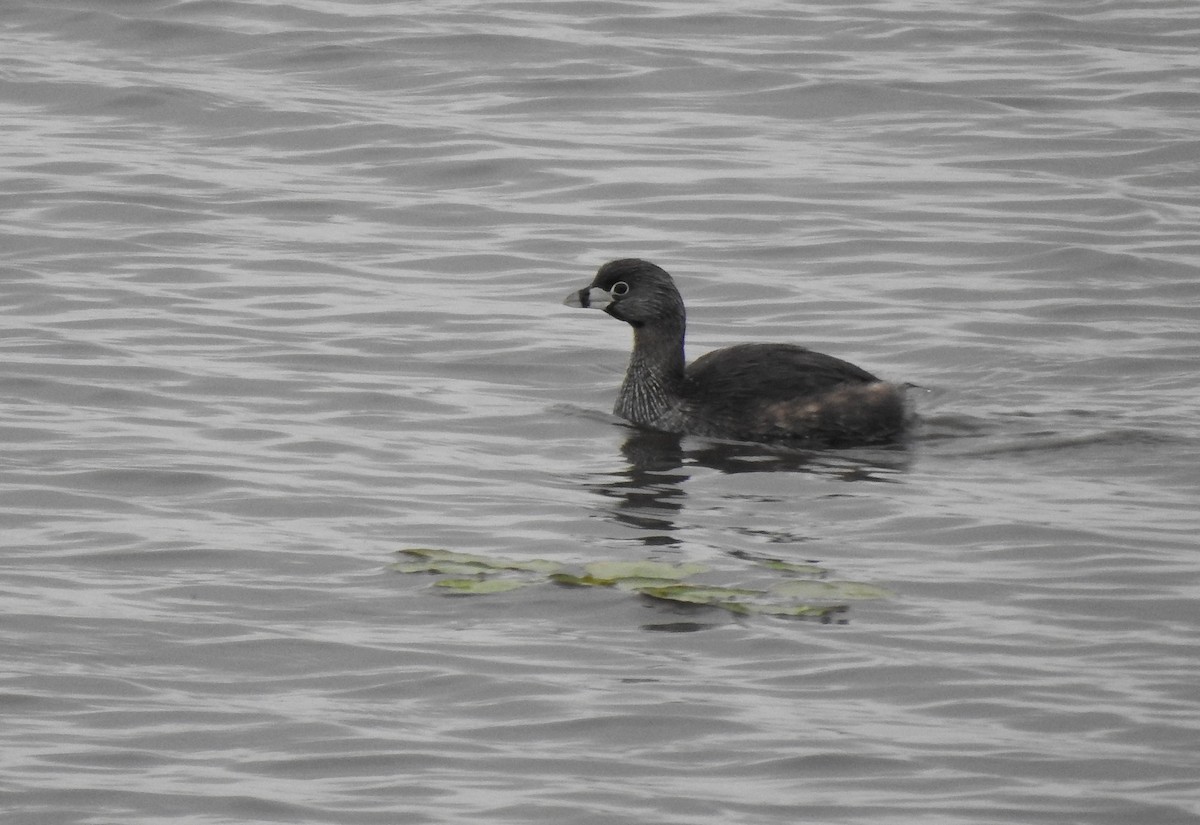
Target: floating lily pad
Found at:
x=450, y=568
x=481, y=586
x=571, y=580
x=740, y=600
x=701, y=593
x=747, y=601
x=613, y=571
x=803, y=594
x=633, y=583
x=629, y=575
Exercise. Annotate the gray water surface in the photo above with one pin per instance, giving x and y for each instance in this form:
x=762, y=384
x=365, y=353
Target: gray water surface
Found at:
x=280, y=294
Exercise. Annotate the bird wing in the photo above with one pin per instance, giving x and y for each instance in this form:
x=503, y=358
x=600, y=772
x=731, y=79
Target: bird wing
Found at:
x=771, y=372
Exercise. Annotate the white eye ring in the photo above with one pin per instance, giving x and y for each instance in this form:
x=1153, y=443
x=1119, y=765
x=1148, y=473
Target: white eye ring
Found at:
x=618, y=289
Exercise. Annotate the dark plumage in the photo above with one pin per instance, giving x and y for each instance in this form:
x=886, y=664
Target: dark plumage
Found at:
x=753, y=392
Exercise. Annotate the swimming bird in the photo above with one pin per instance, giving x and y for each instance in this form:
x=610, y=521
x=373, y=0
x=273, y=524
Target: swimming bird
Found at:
x=747, y=392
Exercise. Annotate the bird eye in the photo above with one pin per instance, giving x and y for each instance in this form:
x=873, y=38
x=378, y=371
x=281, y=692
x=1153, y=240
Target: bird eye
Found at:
x=618, y=289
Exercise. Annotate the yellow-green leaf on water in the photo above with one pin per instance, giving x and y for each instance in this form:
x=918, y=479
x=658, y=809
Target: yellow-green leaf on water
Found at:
x=611, y=572
x=452, y=568
x=739, y=600
x=700, y=593
x=826, y=591
x=807, y=597
x=532, y=565
x=480, y=586
x=571, y=580
x=636, y=584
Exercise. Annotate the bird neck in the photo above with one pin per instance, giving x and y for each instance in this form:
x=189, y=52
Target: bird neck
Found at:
x=654, y=379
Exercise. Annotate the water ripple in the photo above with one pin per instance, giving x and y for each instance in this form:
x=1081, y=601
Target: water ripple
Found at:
x=281, y=292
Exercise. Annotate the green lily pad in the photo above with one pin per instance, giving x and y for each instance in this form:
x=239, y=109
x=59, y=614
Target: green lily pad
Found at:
x=700, y=593
x=740, y=600
x=451, y=568
x=635, y=583
x=611, y=572
x=804, y=594
x=571, y=580
x=481, y=585
x=628, y=575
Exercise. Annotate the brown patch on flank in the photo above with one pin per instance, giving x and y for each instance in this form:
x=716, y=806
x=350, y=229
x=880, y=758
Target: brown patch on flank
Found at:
x=861, y=413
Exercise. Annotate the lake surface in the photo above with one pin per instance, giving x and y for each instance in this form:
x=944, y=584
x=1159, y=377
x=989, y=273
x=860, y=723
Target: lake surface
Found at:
x=280, y=295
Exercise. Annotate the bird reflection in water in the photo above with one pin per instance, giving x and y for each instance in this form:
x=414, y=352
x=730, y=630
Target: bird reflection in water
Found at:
x=650, y=491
